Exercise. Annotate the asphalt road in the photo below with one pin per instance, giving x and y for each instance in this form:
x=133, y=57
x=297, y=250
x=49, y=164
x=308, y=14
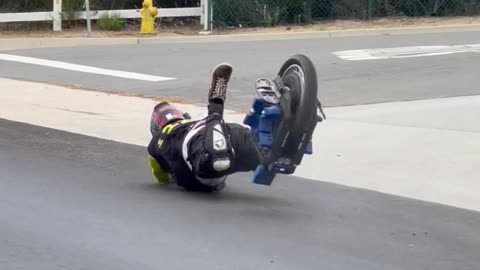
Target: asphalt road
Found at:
x=340, y=82
x=73, y=202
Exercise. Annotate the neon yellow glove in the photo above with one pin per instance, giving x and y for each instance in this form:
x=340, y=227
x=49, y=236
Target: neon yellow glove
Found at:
x=159, y=173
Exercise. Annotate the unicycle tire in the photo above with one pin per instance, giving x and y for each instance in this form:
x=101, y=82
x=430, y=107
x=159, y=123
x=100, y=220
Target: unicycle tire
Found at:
x=299, y=77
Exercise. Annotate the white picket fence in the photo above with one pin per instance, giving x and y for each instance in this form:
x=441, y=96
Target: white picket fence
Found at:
x=55, y=15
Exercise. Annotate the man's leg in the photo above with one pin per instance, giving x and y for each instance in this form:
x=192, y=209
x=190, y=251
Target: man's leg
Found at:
x=218, y=89
x=206, y=148
x=246, y=150
x=245, y=155
x=213, y=156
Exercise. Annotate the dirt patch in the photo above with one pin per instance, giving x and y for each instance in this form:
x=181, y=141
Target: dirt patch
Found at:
x=172, y=100
x=339, y=25
x=116, y=93
x=80, y=32
x=195, y=29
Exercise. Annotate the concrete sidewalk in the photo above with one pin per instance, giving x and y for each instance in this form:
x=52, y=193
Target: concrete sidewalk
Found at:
x=428, y=150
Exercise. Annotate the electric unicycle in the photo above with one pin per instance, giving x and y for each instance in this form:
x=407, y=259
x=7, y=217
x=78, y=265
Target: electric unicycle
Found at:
x=283, y=120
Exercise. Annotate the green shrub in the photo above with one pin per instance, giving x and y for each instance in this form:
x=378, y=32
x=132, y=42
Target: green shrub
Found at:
x=70, y=9
x=110, y=22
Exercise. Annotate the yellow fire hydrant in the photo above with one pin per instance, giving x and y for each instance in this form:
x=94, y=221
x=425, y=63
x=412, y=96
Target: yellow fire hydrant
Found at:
x=148, y=12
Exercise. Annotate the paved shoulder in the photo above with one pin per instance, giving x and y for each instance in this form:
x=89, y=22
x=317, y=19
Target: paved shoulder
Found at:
x=76, y=202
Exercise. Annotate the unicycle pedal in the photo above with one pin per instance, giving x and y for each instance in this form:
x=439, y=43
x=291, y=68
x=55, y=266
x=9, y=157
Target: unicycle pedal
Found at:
x=263, y=176
x=284, y=167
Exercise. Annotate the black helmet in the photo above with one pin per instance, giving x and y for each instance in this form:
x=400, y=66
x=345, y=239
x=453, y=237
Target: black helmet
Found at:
x=164, y=114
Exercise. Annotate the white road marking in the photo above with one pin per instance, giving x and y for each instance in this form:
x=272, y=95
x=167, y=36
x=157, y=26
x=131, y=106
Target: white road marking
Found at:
x=82, y=68
x=405, y=52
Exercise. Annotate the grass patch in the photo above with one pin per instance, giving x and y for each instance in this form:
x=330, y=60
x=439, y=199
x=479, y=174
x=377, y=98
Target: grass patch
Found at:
x=109, y=22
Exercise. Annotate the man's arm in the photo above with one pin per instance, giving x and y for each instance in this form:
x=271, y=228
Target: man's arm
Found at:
x=158, y=172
